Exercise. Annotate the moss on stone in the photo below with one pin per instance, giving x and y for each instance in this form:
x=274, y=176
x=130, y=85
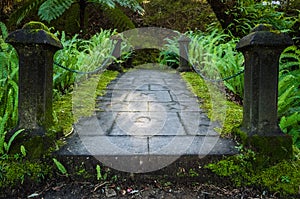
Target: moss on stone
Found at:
x=67, y=110
x=243, y=170
x=214, y=102
x=239, y=135
x=36, y=25
x=271, y=149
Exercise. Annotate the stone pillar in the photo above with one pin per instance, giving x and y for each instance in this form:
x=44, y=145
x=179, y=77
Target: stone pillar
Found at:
x=116, y=53
x=261, y=50
x=183, y=54
x=35, y=46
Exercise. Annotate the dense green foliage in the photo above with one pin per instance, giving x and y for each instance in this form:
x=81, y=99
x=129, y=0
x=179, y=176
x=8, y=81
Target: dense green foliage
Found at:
x=180, y=15
x=248, y=13
x=8, y=87
x=49, y=10
x=215, y=56
x=81, y=55
x=289, y=93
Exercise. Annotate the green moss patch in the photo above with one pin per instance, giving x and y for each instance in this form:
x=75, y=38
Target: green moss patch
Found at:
x=81, y=102
x=214, y=102
x=19, y=173
x=243, y=170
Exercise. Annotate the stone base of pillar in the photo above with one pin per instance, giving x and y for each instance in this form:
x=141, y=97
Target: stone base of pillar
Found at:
x=115, y=67
x=184, y=69
x=269, y=149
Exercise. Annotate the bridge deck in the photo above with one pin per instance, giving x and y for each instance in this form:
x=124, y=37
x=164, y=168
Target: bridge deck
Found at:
x=147, y=113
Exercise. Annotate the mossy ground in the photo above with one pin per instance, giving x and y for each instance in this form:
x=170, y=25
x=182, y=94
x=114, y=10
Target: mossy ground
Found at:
x=282, y=178
x=81, y=102
x=19, y=172
x=246, y=168
x=227, y=113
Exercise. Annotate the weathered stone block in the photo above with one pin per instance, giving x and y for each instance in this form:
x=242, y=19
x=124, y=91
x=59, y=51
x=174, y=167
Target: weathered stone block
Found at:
x=35, y=46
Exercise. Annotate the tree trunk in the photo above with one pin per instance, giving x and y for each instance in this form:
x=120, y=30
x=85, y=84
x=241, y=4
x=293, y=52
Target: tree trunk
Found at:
x=220, y=7
x=82, y=5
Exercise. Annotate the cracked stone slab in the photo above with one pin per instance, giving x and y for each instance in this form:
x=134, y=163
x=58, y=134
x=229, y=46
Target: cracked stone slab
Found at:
x=146, y=95
x=184, y=145
x=197, y=123
x=119, y=106
x=174, y=106
x=115, y=145
x=92, y=126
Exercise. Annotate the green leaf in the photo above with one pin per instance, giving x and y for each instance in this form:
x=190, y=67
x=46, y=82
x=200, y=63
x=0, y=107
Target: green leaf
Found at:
x=8, y=145
x=51, y=9
x=23, y=150
x=99, y=175
x=29, y=7
x=60, y=167
x=3, y=29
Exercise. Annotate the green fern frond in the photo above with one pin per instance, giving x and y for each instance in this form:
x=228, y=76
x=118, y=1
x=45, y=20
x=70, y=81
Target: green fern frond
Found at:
x=3, y=121
x=4, y=31
x=132, y=4
x=108, y=3
x=29, y=7
x=119, y=19
x=7, y=146
x=2, y=139
x=51, y=9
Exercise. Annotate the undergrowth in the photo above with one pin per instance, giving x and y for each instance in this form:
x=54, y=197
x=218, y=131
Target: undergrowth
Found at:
x=282, y=178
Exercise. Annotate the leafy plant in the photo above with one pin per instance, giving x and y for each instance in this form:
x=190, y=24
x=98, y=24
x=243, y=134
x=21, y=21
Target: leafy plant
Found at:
x=60, y=167
x=5, y=146
x=99, y=174
x=23, y=150
x=289, y=93
x=8, y=90
x=169, y=56
x=49, y=10
x=80, y=56
x=247, y=14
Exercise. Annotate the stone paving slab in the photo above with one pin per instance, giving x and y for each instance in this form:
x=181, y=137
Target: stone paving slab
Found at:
x=147, y=113
x=153, y=145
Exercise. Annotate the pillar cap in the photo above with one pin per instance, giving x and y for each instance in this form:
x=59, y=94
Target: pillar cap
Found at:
x=184, y=38
x=265, y=35
x=34, y=33
x=116, y=37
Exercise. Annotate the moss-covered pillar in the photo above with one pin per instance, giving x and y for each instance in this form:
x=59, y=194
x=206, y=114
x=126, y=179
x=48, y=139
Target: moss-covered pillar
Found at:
x=262, y=49
x=183, y=54
x=116, y=53
x=35, y=46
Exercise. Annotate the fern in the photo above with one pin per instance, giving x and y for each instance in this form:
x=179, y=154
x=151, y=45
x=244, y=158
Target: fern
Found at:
x=4, y=31
x=8, y=145
x=52, y=9
x=118, y=19
x=29, y=7
x=8, y=89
